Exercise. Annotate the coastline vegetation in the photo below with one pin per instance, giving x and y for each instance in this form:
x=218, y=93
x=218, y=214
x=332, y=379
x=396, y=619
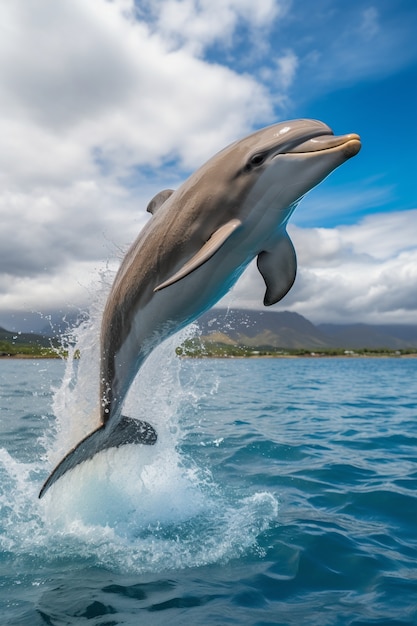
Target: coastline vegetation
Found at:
x=30, y=351
x=198, y=349
x=195, y=348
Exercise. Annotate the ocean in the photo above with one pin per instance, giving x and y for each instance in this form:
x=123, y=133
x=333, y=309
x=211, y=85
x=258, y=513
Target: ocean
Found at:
x=280, y=491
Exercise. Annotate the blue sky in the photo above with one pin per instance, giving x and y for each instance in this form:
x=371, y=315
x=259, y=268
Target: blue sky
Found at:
x=105, y=103
x=383, y=112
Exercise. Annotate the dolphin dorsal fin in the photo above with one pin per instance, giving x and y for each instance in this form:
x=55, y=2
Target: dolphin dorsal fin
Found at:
x=158, y=200
x=278, y=268
x=204, y=254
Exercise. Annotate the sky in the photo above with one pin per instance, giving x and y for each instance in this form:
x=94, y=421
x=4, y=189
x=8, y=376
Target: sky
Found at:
x=104, y=103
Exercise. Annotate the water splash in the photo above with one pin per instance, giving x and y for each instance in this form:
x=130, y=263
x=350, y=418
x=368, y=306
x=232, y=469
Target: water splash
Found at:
x=136, y=508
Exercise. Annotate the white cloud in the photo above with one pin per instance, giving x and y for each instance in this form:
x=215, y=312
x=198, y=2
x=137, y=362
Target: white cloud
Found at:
x=370, y=25
x=88, y=93
x=50, y=291
x=287, y=67
x=361, y=273
x=379, y=237
x=46, y=228
x=79, y=76
x=197, y=24
x=383, y=236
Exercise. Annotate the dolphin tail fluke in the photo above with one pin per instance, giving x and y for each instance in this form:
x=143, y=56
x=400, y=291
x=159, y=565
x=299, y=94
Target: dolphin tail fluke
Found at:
x=126, y=431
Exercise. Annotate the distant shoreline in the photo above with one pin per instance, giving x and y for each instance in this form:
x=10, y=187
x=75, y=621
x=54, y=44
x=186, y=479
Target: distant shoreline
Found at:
x=355, y=355
x=305, y=356
x=25, y=357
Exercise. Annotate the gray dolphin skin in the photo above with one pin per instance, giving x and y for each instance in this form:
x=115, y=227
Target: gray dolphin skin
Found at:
x=197, y=243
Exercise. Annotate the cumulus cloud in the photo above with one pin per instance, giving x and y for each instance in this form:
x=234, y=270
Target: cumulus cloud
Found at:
x=197, y=24
x=366, y=272
x=80, y=77
x=287, y=66
x=89, y=96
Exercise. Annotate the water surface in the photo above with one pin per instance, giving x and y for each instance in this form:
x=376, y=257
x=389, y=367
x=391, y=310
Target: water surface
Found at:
x=281, y=491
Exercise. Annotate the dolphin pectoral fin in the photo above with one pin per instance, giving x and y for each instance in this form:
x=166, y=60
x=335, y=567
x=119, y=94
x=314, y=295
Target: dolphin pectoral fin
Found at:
x=158, y=200
x=204, y=254
x=126, y=431
x=278, y=268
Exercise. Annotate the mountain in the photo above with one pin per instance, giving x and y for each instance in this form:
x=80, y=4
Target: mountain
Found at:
x=269, y=329
x=293, y=331
x=369, y=336
x=262, y=328
x=20, y=339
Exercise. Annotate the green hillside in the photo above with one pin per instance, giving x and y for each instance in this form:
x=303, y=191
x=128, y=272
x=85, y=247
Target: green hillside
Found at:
x=26, y=345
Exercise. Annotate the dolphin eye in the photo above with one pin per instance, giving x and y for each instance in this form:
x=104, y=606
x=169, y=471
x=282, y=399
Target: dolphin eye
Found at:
x=257, y=159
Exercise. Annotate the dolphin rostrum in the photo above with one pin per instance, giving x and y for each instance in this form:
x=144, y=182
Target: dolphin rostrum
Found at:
x=194, y=248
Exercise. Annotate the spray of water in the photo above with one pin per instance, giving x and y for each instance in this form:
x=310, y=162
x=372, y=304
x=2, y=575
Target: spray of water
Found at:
x=136, y=508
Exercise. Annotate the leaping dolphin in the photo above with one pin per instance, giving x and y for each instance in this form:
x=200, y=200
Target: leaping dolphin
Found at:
x=194, y=248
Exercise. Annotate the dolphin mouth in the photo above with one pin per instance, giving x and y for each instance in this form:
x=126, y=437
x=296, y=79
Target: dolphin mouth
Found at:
x=349, y=144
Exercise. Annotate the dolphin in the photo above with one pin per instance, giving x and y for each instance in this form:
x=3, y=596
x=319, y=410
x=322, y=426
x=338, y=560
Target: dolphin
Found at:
x=197, y=243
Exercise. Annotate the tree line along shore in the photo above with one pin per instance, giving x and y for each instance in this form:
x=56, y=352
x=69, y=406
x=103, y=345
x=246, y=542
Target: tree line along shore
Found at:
x=194, y=348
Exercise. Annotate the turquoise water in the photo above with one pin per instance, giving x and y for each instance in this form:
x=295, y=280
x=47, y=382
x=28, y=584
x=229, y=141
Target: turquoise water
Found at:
x=280, y=492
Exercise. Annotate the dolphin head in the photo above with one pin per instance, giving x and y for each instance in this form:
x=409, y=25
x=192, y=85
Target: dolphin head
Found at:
x=302, y=137
x=276, y=166
x=271, y=169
